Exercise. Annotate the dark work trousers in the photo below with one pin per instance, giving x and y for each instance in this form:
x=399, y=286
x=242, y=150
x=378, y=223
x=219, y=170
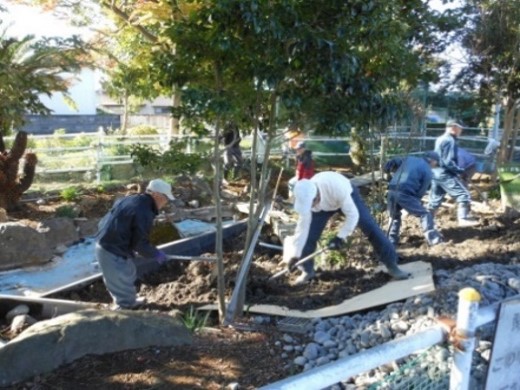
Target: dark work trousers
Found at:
x=377, y=238
x=397, y=201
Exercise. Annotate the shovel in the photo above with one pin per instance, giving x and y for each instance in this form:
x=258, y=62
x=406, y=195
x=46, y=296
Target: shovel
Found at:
x=191, y=258
x=510, y=179
x=300, y=262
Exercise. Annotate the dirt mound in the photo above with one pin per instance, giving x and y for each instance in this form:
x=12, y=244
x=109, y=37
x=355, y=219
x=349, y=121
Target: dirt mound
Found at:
x=253, y=359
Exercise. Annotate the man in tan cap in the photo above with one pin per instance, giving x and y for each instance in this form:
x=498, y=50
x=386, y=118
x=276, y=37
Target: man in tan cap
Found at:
x=125, y=230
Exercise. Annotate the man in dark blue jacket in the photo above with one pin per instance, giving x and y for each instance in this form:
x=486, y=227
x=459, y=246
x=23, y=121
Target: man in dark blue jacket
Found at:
x=125, y=230
x=408, y=185
x=468, y=162
x=446, y=178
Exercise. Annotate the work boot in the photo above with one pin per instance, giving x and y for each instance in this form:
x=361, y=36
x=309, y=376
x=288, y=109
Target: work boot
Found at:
x=463, y=215
x=433, y=237
x=304, y=278
x=395, y=272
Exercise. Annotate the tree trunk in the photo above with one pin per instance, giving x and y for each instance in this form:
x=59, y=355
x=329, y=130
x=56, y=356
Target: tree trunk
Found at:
x=126, y=110
x=12, y=185
x=174, y=123
x=514, y=132
x=505, y=150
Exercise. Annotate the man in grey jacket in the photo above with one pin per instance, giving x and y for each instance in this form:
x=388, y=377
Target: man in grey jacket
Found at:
x=446, y=178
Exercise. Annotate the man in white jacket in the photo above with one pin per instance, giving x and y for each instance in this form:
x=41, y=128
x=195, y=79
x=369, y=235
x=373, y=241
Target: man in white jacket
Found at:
x=316, y=201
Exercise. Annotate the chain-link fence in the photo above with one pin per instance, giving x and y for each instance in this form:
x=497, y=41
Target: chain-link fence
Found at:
x=429, y=370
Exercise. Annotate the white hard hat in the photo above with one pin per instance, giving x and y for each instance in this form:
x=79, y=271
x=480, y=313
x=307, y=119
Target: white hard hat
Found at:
x=304, y=193
x=160, y=186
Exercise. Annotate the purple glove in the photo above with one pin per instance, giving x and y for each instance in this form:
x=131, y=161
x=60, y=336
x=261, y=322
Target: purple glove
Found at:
x=161, y=257
x=336, y=244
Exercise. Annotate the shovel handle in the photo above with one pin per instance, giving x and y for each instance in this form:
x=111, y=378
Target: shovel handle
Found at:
x=300, y=262
x=190, y=258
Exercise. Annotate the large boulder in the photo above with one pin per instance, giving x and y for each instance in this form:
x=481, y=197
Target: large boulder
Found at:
x=22, y=245
x=86, y=227
x=49, y=344
x=60, y=231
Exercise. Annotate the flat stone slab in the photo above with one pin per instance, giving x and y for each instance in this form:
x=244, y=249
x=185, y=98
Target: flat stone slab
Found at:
x=50, y=344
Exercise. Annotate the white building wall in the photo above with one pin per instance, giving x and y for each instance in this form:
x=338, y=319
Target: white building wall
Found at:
x=82, y=91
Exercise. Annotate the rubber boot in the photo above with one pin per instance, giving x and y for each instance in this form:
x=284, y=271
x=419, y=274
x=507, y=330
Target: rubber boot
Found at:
x=397, y=273
x=433, y=237
x=304, y=277
x=463, y=216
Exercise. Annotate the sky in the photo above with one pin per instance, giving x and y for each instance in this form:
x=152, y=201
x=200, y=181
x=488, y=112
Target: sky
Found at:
x=24, y=20
x=29, y=20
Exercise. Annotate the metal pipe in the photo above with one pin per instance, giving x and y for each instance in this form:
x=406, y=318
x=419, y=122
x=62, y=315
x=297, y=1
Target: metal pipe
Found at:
x=347, y=367
x=244, y=268
x=72, y=285
x=487, y=314
x=469, y=299
x=271, y=246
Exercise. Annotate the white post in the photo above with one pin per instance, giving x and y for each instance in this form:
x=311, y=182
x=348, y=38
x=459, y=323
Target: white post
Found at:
x=467, y=316
x=99, y=154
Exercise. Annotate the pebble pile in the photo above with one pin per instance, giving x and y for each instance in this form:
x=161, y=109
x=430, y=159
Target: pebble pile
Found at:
x=334, y=338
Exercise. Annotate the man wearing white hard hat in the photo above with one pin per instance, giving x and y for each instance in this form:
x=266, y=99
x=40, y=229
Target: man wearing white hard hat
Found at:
x=446, y=178
x=316, y=200
x=123, y=232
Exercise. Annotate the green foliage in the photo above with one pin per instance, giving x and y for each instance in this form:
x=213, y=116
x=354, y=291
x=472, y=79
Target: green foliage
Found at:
x=334, y=258
x=494, y=193
x=29, y=68
x=67, y=211
x=172, y=162
x=142, y=130
x=193, y=320
x=69, y=194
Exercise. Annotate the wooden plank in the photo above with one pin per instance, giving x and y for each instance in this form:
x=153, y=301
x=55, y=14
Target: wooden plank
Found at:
x=396, y=290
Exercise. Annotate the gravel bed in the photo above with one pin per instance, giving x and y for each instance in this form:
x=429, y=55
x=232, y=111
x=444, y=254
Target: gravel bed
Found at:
x=334, y=338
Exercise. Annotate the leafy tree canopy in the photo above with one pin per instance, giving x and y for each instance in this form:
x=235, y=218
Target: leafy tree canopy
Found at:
x=29, y=68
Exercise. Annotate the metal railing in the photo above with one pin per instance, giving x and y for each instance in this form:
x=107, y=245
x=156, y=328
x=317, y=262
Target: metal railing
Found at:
x=462, y=336
x=93, y=152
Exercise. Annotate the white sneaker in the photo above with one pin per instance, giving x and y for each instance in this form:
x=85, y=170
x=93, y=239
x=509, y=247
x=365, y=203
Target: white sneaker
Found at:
x=304, y=278
x=468, y=222
x=139, y=301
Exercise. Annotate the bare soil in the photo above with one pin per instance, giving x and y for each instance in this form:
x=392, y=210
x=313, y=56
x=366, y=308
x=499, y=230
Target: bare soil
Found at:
x=247, y=354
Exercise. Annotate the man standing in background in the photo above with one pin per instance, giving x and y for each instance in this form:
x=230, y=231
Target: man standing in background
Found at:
x=446, y=178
